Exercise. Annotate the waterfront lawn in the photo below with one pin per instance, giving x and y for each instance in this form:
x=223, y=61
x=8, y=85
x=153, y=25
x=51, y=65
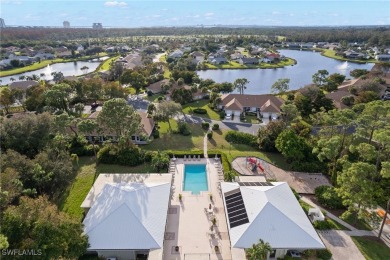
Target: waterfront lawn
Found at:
x=236, y=65
x=372, y=248
x=107, y=63
x=332, y=54
x=87, y=172
x=34, y=66
x=211, y=114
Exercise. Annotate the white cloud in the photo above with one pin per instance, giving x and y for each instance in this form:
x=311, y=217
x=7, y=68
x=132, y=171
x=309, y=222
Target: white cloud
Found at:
x=208, y=14
x=115, y=3
x=276, y=13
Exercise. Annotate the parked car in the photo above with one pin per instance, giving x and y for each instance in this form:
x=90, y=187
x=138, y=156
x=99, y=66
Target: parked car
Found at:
x=228, y=117
x=293, y=253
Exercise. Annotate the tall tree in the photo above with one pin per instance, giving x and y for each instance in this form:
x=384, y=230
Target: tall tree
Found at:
x=120, y=118
x=36, y=224
x=58, y=96
x=240, y=84
x=88, y=127
x=329, y=149
x=356, y=188
x=280, y=86
x=167, y=110
x=6, y=98
x=320, y=77
x=289, y=113
x=292, y=146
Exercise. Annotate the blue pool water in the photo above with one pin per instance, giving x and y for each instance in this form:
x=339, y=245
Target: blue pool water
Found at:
x=195, y=178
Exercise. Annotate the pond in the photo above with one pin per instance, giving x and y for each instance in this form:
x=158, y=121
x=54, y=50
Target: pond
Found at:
x=72, y=68
x=308, y=63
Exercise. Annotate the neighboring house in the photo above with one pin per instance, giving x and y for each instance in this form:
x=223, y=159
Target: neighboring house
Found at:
x=248, y=61
x=133, y=60
x=23, y=85
x=197, y=95
x=293, y=45
x=307, y=45
x=80, y=48
x=176, y=54
x=266, y=105
x=272, y=57
x=64, y=54
x=382, y=57
x=267, y=211
x=44, y=56
x=156, y=87
x=236, y=56
x=26, y=60
x=147, y=127
x=217, y=60
x=355, y=55
x=197, y=56
x=336, y=97
x=126, y=215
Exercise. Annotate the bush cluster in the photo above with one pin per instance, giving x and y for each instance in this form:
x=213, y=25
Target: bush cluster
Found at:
x=210, y=135
x=114, y=154
x=322, y=225
x=222, y=115
x=215, y=127
x=79, y=145
x=241, y=138
x=183, y=128
x=327, y=196
x=205, y=125
x=200, y=111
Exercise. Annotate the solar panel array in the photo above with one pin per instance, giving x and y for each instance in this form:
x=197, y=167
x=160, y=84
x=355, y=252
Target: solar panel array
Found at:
x=235, y=208
x=255, y=184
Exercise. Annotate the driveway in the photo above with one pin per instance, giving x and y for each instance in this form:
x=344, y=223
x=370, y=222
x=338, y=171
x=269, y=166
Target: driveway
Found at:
x=340, y=244
x=138, y=102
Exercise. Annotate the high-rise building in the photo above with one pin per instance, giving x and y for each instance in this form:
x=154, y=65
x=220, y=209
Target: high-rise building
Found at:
x=2, y=23
x=97, y=26
x=66, y=24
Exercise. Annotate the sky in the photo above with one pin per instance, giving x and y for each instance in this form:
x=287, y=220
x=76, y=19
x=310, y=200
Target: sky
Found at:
x=131, y=13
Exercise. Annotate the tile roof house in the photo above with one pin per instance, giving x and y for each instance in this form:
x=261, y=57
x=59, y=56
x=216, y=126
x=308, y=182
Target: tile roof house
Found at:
x=176, y=54
x=127, y=214
x=147, y=126
x=248, y=61
x=266, y=105
x=156, y=87
x=336, y=97
x=267, y=211
x=23, y=85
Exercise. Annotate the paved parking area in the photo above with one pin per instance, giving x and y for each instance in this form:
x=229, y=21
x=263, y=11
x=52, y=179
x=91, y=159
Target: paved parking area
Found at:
x=341, y=245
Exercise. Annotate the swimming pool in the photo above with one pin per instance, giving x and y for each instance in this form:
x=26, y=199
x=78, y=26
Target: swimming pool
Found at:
x=195, y=178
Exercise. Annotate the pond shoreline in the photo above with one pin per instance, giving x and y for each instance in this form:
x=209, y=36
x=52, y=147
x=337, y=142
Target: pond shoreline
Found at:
x=44, y=63
x=292, y=62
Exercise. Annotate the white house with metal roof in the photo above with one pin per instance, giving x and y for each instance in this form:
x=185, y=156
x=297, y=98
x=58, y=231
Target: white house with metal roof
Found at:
x=267, y=211
x=127, y=215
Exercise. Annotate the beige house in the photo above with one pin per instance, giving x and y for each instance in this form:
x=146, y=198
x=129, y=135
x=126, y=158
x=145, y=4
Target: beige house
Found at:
x=266, y=105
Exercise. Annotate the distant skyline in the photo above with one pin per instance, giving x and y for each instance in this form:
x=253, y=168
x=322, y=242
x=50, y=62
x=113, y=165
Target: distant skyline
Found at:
x=130, y=13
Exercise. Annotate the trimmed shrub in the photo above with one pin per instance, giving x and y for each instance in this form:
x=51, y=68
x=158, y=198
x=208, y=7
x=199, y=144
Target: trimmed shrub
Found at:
x=148, y=155
x=324, y=254
x=156, y=134
x=79, y=145
x=322, y=225
x=184, y=129
x=113, y=154
x=210, y=135
x=205, y=125
x=222, y=115
x=200, y=111
x=241, y=138
x=150, y=93
x=160, y=98
x=215, y=127
x=327, y=196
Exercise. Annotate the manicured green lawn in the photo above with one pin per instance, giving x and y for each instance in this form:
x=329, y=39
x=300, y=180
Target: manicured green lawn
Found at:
x=211, y=114
x=250, y=119
x=34, y=66
x=106, y=64
x=154, y=98
x=335, y=225
x=332, y=54
x=359, y=224
x=87, y=171
x=371, y=248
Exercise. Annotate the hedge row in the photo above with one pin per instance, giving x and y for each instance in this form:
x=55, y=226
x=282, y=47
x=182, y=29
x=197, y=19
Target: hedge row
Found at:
x=200, y=111
x=241, y=138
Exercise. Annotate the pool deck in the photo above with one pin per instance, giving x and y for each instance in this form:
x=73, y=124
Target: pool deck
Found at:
x=189, y=222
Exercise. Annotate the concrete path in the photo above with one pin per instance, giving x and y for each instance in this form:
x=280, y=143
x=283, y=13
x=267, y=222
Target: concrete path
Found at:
x=205, y=140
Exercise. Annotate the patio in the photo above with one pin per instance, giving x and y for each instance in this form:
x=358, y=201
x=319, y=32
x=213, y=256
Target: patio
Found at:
x=188, y=233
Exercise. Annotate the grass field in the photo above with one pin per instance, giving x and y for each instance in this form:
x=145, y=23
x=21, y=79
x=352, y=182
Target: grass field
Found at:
x=106, y=64
x=371, y=248
x=87, y=171
x=332, y=54
x=211, y=114
x=359, y=224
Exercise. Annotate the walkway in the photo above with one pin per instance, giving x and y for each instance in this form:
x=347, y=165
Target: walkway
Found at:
x=205, y=141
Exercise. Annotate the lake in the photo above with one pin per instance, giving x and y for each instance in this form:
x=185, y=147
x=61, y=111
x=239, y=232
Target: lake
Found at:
x=72, y=68
x=308, y=63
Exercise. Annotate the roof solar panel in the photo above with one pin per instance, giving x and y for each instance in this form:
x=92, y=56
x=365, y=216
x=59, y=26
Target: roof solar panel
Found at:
x=235, y=206
x=255, y=184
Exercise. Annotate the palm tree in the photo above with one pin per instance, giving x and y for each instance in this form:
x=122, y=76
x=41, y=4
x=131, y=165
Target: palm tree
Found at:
x=85, y=69
x=259, y=251
x=12, y=79
x=22, y=77
x=240, y=84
